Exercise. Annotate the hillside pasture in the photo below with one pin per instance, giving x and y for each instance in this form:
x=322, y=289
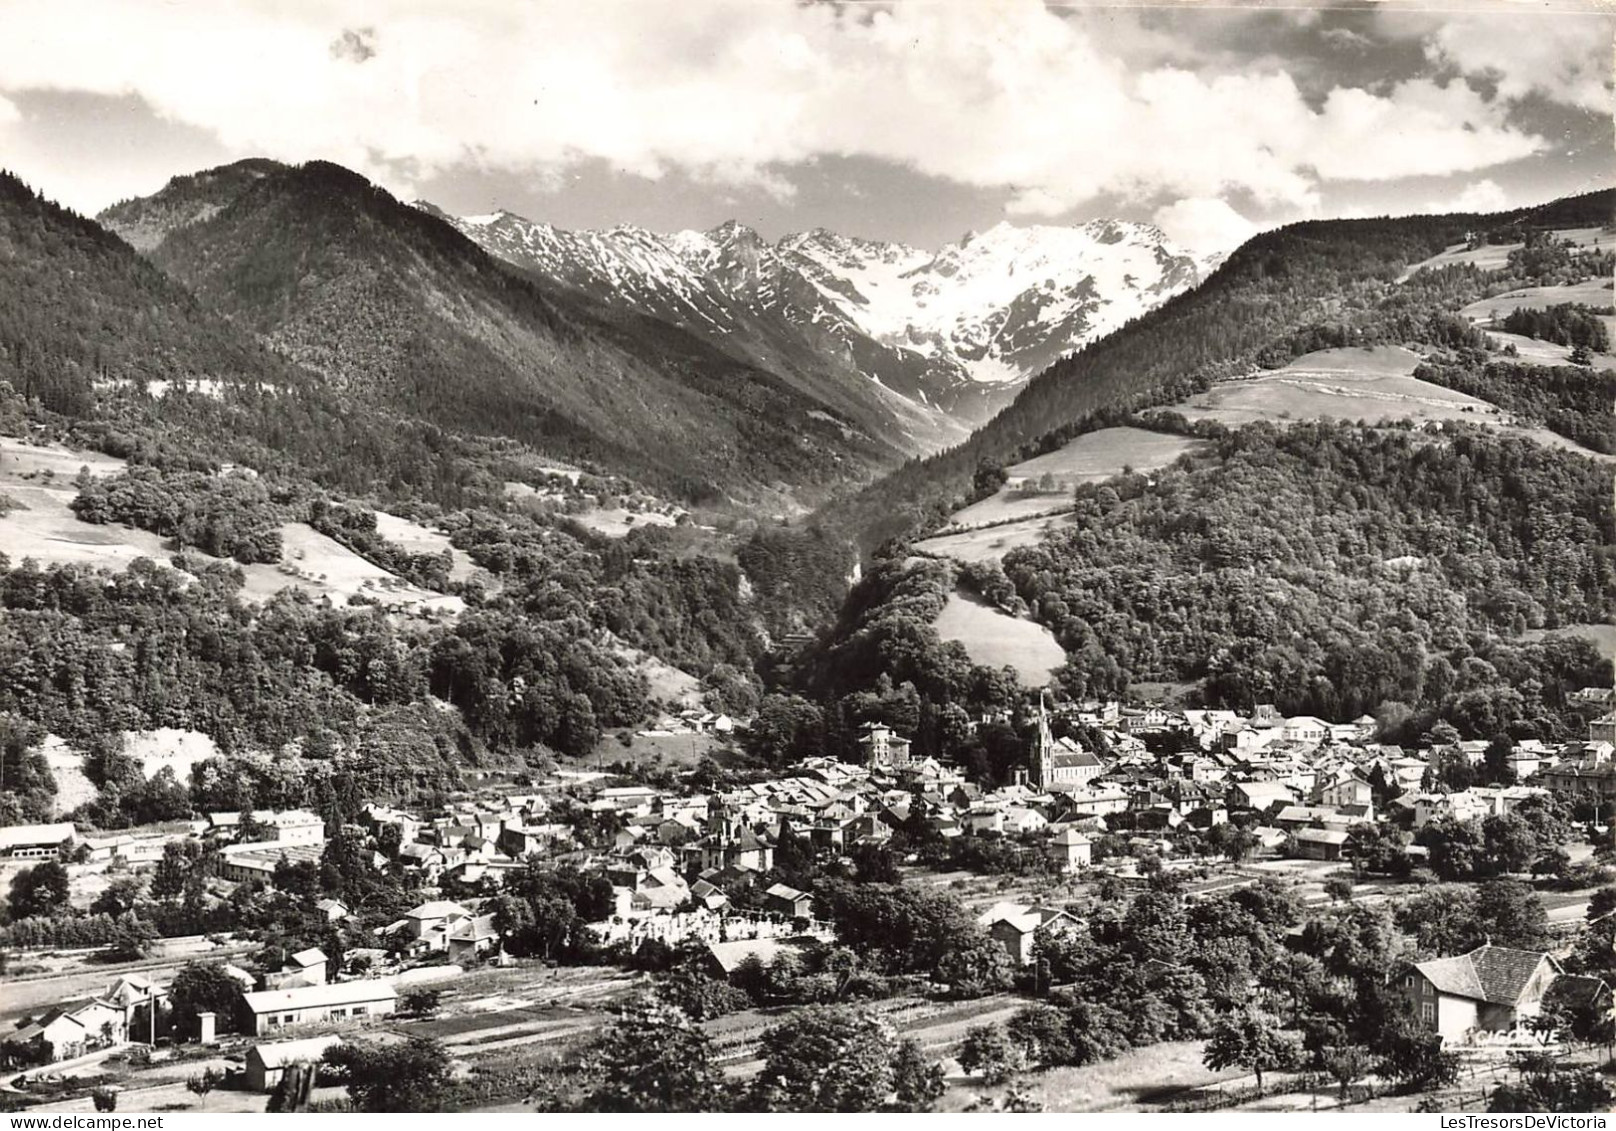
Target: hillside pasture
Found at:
x=1375, y=385
x=414, y=538
x=1090, y=458
x=1493, y=257
x=995, y=639
x=1535, y=352
x=1006, y=506
x=326, y=568
x=1100, y=455
x=1490, y=257
x=66, y=764
x=39, y=478
x=616, y=522
x=989, y=544
x=1596, y=293
x=169, y=748
x=22, y=461
x=51, y=534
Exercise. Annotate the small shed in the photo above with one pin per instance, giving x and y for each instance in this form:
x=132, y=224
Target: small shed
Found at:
x=266, y=1063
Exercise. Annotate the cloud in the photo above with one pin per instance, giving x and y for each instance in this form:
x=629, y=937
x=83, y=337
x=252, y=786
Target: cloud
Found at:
x=1346, y=39
x=1481, y=196
x=354, y=45
x=1010, y=95
x=1563, y=58
x=1204, y=225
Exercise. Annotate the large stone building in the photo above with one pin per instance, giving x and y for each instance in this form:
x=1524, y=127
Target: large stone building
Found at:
x=883, y=746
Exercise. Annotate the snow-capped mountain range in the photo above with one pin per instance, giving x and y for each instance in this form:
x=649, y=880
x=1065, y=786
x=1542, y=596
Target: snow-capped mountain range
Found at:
x=955, y=332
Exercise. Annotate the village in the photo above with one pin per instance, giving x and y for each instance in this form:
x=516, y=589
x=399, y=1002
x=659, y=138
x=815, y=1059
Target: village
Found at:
x=1198, y=802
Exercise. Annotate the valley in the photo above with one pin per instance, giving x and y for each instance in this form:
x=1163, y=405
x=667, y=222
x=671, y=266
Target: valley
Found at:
x=527, y=652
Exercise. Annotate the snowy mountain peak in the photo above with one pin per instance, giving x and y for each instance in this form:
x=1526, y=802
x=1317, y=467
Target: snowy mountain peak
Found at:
x=958, y=329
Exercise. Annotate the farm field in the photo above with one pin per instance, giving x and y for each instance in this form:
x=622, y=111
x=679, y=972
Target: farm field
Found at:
x=1007, y=505
x=1532, y=350
x=996, y=639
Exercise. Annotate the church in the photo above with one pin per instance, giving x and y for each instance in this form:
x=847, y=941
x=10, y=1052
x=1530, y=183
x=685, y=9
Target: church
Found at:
x=1061, y=762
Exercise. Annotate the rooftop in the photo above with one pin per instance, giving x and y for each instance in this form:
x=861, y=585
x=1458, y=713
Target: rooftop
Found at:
x=1495, y=974
x=310, y=997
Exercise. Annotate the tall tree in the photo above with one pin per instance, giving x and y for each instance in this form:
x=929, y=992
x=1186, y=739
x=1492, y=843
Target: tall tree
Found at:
x=656, y=1059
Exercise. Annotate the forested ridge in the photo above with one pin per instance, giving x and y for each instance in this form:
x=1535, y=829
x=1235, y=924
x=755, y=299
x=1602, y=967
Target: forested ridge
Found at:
x=393, y=305
x=1286, y=292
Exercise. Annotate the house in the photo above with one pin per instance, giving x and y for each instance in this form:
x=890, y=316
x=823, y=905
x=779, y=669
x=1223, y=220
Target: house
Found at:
x=471, y=938
x=1320, y=844
x=431, y=922
x=37, y=842
x=298, y=826
x=1260, y=795
x=1094, y=801
x=332, y=910
x=1020, y=820
x=132, y=994
x=724, y=958
x=56, y=1035
x=1304, y=729
x=73, y=1029
x=1299, y=816
x=267, y=1063
x=268, y=1010
x=1491, y=989
x=1603, y=729
x=1348, y=788
x=257, y=861
x=784, y=900
x=1071, y=851
x=883, y=746
x=305, y=968
x=1015, y=926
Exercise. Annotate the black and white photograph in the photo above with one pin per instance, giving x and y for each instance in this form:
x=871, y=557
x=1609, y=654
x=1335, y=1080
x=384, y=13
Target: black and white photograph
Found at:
x=806, y=556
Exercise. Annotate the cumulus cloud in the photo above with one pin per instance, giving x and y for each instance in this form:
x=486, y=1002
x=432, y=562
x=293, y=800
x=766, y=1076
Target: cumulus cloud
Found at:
x=1204, y=225
x=1009, y=95
x=1481, y=196
x=1563, y=58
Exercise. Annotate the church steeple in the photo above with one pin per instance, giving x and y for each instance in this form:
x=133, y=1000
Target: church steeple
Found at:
x=1044, y=770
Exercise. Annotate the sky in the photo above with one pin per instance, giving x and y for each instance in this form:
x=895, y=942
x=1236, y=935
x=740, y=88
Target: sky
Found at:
x=914, y=121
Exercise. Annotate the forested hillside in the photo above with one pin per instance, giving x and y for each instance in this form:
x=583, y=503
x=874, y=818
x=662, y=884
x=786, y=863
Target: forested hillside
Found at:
x=1330, y=569
x=78, y=308
x=397, y=309
x=1286, y=292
